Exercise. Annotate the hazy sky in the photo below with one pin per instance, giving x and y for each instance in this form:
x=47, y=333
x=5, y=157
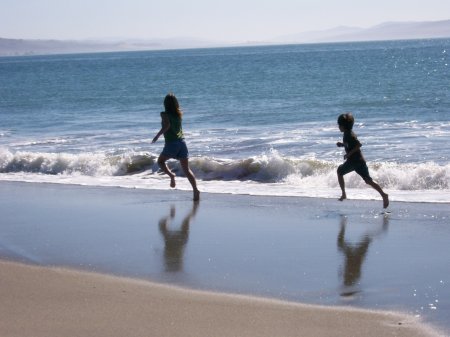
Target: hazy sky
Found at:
x=216, y=20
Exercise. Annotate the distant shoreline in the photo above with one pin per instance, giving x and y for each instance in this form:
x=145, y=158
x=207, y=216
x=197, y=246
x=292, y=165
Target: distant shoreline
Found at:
x=389, y=31
x=30, y=54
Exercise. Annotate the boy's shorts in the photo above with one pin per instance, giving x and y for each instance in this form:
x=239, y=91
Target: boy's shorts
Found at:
x=176, y=149
x=359, y=167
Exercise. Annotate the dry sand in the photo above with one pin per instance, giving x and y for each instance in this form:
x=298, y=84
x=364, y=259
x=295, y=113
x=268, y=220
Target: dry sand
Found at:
x=40, y=301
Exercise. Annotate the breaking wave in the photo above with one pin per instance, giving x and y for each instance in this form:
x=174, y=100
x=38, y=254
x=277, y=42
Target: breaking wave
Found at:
x=271, y=168
x=90, y=164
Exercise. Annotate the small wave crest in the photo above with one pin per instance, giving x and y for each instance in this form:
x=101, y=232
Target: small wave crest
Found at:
x=52, y=141
x=4, y=133
x=271, y=168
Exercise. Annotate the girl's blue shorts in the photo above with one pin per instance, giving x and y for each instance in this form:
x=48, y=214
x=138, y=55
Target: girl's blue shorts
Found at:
x=176, y=149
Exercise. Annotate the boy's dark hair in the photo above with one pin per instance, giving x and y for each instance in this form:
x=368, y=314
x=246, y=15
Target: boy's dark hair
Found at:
x=346, y=121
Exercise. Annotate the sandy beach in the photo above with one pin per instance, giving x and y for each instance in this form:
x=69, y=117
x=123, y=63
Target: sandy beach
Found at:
x=86, y=261
x=37, y=301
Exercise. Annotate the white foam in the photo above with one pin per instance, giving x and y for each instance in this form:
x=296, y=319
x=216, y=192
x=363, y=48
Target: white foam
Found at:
x=267, y=174
x=161, y=182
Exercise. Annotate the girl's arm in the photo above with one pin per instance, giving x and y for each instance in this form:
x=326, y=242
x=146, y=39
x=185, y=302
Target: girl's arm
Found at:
x=165, y=127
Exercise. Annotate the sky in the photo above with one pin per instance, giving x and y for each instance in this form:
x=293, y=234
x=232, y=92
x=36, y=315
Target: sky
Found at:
x=210, y=20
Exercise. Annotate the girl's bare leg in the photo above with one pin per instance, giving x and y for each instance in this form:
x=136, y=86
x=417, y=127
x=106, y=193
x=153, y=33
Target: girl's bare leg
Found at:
x=162, y=164
x=187, y=171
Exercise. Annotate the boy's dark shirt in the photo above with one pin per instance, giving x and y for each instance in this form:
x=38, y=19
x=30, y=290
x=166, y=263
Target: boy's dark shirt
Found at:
x=350, y=141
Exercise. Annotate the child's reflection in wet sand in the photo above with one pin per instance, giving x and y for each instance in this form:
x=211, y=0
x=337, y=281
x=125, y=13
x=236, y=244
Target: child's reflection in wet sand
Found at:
x=355, y=254
x=175, y=239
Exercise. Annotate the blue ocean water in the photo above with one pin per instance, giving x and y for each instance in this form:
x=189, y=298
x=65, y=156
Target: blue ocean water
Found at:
x=258, y=120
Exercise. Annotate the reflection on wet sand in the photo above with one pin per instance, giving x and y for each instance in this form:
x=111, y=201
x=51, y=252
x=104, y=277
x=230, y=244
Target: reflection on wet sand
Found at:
x=355, y=254
x=175, y=239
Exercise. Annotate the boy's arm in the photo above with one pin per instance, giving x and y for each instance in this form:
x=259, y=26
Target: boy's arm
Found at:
x=165, y=127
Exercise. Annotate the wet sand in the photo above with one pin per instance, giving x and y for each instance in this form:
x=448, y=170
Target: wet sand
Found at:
x=37, y=301
x=346, y=255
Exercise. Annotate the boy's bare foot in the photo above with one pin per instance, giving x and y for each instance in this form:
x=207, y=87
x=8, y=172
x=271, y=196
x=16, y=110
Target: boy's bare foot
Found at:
x=385, y=201
x=343, y=197
x=196, y=195
x=172, y=181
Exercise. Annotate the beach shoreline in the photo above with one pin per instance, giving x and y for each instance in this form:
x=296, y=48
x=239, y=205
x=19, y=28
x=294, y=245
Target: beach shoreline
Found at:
x=291, y=250
x=143, y=181
x=45, y=301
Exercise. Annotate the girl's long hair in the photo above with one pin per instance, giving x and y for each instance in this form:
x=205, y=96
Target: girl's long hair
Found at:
x=171, y=105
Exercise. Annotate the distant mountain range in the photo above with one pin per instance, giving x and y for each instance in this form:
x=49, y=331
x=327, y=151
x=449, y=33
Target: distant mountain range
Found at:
x=384, y=31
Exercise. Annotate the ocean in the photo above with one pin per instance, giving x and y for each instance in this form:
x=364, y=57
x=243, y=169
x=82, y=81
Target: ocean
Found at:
x=257, y=120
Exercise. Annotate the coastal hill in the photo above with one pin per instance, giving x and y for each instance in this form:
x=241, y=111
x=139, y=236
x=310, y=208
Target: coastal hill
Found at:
x=384, y=31
x=20, y=47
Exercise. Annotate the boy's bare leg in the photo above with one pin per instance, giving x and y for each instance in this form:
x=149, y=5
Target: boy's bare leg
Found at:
x=187, y=171
x=379, y=190
x=162, y=164
x=342, y=186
